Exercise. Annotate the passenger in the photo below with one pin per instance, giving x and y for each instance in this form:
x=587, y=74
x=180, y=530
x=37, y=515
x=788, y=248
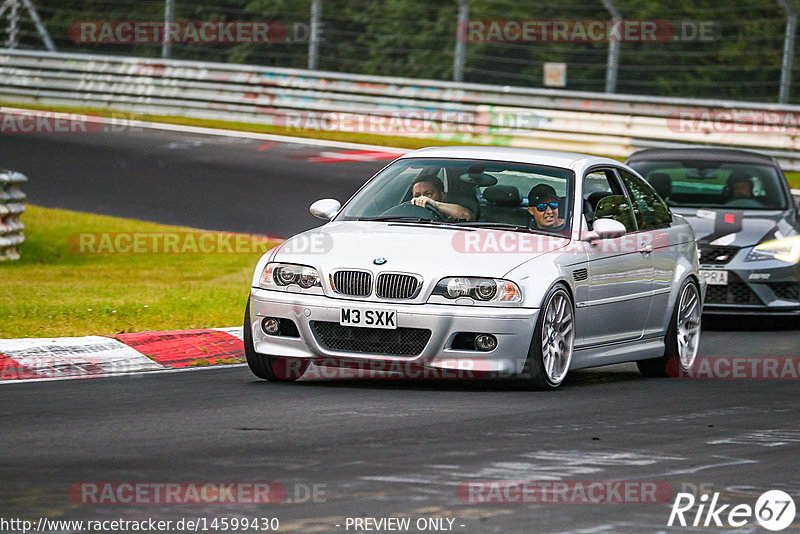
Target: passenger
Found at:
x=430, y=190
x=543, y=207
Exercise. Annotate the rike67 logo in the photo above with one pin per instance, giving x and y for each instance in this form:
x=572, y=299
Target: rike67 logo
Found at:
x=774, y=510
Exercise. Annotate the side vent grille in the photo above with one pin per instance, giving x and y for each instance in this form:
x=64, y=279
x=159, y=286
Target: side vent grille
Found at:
x=579, y=275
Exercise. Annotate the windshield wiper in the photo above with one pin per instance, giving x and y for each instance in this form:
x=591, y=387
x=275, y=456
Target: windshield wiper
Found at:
x=396, y=218
x=486, y=224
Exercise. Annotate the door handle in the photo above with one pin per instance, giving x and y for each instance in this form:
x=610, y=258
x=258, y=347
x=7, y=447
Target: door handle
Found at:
x=646, y=249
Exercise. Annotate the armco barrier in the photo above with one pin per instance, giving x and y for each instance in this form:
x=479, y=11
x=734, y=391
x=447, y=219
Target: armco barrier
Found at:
x=599, y=123
x=11, y=208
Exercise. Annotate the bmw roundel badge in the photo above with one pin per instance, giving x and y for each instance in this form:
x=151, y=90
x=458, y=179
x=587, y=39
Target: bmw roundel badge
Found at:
x=379, y=261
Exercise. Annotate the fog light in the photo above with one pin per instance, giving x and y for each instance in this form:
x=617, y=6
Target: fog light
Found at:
x=271, y=326
x=485, y=342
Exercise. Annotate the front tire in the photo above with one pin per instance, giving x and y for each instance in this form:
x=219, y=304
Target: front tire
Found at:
x=682, y=339
x=267, y=367
x=553, y=342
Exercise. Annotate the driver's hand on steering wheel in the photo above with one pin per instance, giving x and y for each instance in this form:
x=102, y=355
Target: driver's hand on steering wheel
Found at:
x=422, y=200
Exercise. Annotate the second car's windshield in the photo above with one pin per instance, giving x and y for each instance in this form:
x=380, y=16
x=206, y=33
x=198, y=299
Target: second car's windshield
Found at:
x=708, y=184
x=497, y=194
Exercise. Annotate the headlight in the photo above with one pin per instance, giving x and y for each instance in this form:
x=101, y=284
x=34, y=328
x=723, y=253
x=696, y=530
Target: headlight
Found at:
x=787, y=250
x=287, y=274
x=482, y=289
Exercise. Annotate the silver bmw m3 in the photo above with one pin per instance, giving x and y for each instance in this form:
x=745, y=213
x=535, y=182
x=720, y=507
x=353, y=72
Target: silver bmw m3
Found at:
x=482, y=262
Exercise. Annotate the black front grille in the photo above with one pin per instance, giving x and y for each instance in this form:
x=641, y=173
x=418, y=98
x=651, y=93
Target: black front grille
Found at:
x=354, y=283
x=736, y=292
x=398, y=342
x=785, y=290
x=396, y=286
x=714, y=255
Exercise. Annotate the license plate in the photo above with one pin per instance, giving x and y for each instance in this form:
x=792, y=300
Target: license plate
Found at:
x=715, y=278
x=362, y=317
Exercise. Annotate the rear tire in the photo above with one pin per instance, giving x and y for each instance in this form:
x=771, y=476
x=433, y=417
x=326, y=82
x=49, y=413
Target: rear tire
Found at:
x=550, y=354
x=682, y=339
x=268, y=367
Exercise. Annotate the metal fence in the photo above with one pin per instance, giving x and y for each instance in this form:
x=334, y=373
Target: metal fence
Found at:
x=739, y=49
x=299, y=99
x=11, y=208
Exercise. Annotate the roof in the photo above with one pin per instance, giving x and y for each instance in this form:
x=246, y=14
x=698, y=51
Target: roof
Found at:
x=728, y=155
x=552, y=158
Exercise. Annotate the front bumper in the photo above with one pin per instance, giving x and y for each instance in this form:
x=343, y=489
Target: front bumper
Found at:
x=513, y=328
x=767, y=287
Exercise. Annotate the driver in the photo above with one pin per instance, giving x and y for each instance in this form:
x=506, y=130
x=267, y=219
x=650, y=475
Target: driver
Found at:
x=741, y=185
x=430, y=190
x=543, y=207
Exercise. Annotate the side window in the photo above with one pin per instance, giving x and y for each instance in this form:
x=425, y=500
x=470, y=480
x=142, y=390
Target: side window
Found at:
x=651, y=212
x=604, y=198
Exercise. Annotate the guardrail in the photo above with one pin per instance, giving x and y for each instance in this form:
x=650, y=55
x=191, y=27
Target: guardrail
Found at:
x=11, y=208
x=599, y=123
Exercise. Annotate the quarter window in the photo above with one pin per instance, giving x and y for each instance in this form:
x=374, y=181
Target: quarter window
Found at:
x=651, y=212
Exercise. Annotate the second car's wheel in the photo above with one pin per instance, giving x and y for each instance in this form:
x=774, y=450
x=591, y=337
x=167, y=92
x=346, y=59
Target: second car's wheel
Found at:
x=682, y=339
x=267, y=367
x=550, y=354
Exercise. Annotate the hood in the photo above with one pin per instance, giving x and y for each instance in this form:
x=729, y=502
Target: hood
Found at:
x=427, y=250
x=739, y=228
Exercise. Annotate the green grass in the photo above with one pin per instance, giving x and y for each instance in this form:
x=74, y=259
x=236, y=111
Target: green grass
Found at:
x=54, y=290
x=794, y=178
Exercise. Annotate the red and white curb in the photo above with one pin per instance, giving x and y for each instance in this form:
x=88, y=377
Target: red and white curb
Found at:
x=97, y=356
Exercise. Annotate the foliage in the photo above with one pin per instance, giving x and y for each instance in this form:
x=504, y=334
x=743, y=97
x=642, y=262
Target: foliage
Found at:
x=740, y=60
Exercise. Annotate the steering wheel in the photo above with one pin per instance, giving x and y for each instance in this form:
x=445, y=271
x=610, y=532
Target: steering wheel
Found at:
x=407, y=209
x=436, y=211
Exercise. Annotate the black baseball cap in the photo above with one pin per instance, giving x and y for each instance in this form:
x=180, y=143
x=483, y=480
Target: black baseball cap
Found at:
x=540, y=193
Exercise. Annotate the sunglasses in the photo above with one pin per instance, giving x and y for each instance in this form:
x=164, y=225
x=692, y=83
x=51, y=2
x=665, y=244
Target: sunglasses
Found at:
x=543, y=206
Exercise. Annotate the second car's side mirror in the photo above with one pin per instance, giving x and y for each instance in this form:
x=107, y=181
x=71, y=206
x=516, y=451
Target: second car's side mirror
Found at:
x=605, y=229
x=327, y=208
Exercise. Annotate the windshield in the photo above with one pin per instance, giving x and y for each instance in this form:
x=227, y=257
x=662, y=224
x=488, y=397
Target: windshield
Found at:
x=700, y=184
x=479, y=193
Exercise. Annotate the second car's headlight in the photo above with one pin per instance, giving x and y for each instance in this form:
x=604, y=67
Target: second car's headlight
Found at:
x=480, y=289
x=282, y=275
x=787, y=250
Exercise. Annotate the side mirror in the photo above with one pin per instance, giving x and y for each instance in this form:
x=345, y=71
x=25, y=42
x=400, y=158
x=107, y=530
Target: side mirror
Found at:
x=605, y=229
x=326, y=209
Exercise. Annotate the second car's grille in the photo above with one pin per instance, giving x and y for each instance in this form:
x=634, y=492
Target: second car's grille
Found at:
x=736, y=292
x=396, y=286
x=354, y=283
x=398, y=342
x=785, y=290
x=715, y=255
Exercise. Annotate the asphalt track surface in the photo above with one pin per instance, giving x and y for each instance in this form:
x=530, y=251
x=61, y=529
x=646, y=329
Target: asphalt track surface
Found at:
x=374, y=447
x=202, y=181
